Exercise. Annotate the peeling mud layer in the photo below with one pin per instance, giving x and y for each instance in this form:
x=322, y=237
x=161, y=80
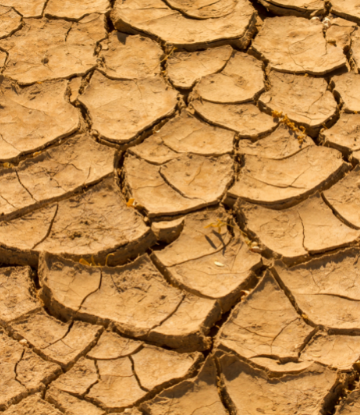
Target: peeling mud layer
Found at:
x=179, y=207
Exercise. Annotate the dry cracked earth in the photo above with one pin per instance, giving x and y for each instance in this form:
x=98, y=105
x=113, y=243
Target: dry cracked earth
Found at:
x=180, y=207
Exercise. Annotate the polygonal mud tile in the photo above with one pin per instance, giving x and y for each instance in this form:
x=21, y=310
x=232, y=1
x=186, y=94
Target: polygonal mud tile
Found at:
x=78, y=162
x=199, y=395
x=245, y=119
x=282, y=183
x=71, y=405
x=118, y=386
x=340, y=33
x=75, y=9
x=336, y=351
x=348, y=9
x=200, y=10
x=351, y=404
x=155, y=18
x=252, y=391
x=184, y=184
x=241, y=80
x=344, y=197
x=167, y=231
x=130, y=57
x=55, y=340
x=297, y=45
x=184, y=134
x=22, y=371
x=75, y=227
x=344, y=135
x=34, y=116
x=121, y=109
x=17, y=293
x=33, y=405
x=157, y=368
x=300, y=8
x=185, y=68
x=265, y=324
x=29, y=8
x=327, y=290
x=279, y=145
x=217, y=272
x=66, y=50
x=78, y=380
x=304, y=100
x=293, y=233
x=347, y=88
x=188, y=326
x=10, y=21
x=113, y=346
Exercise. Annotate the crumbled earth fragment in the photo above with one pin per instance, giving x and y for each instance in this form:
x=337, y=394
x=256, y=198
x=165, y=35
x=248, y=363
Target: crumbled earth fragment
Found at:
x=10, y=21
x=34, y=117
x=157, y=368
x=17, y=293
x=327, y=289
x=29, y=8
x=245, y=119
x=265, y=324
x=55, y=340
x=351, y=404
x=355, y=50
x=167, y=231
x=79, y=378
x=293, y=233
x=344, y=197
x=297, y=45
x=304, y=99
x=74, y=86
x=117, y=387
x=113, y=346
x=194, y=396
x=219, y=275
x=75, y=9
x=241, y=80
x=281, y=183
x=203, y=9
x=301, y=8
x=130, y=57
x=155, y=18
x=22, y=371
x=337, y=351
x=279, y=145
x=252, y=391
x=66, y=50
x=71, y=405
x=184, y=134
x=348, y=9
x=166, y=190
x=347, y=88
x=33, y=405
x=121, y=109
x=185, y=68
x=78, y=162
x=344, y=135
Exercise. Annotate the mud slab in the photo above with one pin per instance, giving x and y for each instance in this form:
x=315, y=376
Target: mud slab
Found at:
x=31, y=8
x=75, y=10
x=200, y=10
x=156, y=19
x=348, y=9
x=346, y=88
x=34, y=117
x=297, y=45
x=298, y=8
x=185, y=68
x=32, y=405
x=296, y=232
x=120, y=110
x=305, y=100
x=10, y=21
x=281, y=183
x=350, y=405
x=130, y=57
x=69, y=49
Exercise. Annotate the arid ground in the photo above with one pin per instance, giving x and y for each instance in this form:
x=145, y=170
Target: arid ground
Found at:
x=179, y=207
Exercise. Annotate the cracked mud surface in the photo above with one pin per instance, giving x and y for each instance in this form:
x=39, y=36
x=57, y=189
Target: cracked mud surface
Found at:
x=179, y=207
